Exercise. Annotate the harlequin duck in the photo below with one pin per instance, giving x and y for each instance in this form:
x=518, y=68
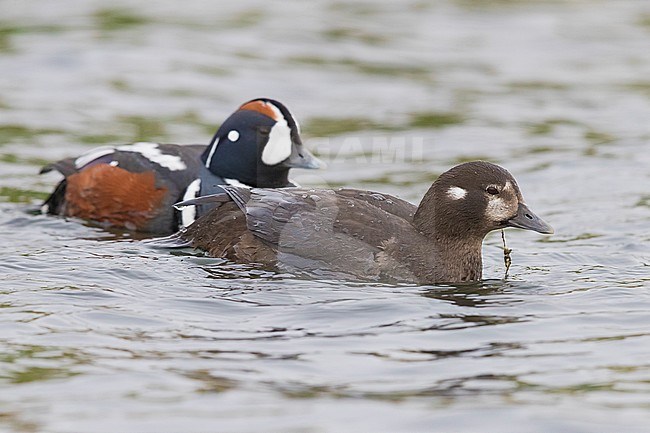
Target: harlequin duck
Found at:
x=355, y=234
x=134, y=186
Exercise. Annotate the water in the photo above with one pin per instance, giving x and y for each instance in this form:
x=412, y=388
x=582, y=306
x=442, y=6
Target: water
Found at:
x=100, y=333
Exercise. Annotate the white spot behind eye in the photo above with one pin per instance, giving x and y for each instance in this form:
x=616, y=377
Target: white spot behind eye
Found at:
x=278, y=148
x=233, y=135
x=497, y=209
x=456, y=193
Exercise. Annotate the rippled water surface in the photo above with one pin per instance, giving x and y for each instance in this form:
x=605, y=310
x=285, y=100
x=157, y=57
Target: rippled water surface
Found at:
x=100, y=333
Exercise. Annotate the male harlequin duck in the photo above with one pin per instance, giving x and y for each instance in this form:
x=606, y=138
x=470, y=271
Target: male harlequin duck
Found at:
x=134, y=186
x=354, y=234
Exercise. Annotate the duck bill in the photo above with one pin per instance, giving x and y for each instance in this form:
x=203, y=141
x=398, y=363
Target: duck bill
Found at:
x=302, y=158
x=527, y=220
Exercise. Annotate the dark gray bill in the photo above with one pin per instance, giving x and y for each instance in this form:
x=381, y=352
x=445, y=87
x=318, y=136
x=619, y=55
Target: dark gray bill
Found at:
x=301, y=158
x=527, y=220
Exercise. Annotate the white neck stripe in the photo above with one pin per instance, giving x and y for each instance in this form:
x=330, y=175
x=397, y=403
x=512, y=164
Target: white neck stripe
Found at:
x=211, y=154
x=188, y=213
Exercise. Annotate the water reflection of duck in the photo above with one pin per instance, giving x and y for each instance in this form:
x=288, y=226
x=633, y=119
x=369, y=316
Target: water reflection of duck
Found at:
x=480, y=294
x=134, y=186
x=354, y=234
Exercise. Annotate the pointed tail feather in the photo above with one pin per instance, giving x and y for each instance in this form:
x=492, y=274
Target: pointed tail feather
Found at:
x=237, y=194
x=65, y=166
x=206, y=199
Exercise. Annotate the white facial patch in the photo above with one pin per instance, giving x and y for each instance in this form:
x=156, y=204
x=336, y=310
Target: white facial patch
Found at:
x=497, y=209
x=233, y=135
x=188, y=213
x=152, y=152
x=456, y=193
x=278, y=148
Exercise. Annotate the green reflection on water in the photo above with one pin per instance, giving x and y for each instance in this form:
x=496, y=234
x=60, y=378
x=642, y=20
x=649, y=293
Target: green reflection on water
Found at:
x=409, y=71
x=580, y=237
x=17, y=195
x=11, y=158
x=644, y=20
x=118, y=19
x=391, y=70
x=100, y=138
x=211, y=383
x=349, y=33
x=435, y=120
x=120, y=85
x=598, y=137
x=36, y=374
x=643, y=201
x=145, y=128
x=324, y=126
x=485, y=4
x=469, y=158
x=8, y=30
x=361, y=9
x=10, y=133
x=327, y=126
x=548, y=126
x=249, y=18
x=537, y=85
x=540, y=149
x=17, y=423
x=12, y=370
x=642, y=87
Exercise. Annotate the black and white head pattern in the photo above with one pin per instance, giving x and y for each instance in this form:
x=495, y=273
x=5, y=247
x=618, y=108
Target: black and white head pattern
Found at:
x=282, y=129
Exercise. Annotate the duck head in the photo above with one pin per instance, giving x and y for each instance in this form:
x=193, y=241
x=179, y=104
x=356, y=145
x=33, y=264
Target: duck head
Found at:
x=472, y=199
x=257, y=145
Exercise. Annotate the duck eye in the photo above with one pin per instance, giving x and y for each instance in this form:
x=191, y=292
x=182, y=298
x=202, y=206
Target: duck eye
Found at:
x=492, y=190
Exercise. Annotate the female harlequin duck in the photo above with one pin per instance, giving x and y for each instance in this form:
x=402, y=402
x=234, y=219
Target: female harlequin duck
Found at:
x=134, y=186
x=354, y=234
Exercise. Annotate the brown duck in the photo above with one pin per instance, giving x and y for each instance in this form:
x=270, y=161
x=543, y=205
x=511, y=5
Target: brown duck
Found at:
x=362, y=235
